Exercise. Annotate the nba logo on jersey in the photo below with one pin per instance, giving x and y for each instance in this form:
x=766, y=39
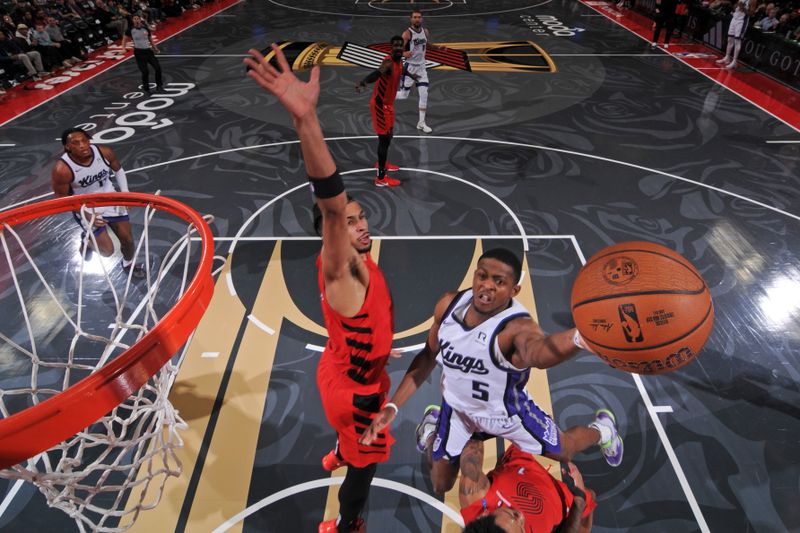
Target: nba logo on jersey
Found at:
x=437, y=443
x=481, y=338
x=630, y=323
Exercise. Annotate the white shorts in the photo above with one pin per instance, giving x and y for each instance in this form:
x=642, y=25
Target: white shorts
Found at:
x=407, y=82
x=738, y=27
x=534, y=433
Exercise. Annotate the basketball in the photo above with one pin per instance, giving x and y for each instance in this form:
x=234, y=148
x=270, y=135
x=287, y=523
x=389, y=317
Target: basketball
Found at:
x=642, y=307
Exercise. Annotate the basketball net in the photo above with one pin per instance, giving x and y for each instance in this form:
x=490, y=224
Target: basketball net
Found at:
x=104, y=475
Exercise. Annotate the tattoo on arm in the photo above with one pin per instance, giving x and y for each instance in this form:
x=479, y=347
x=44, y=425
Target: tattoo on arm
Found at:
x=473, y=478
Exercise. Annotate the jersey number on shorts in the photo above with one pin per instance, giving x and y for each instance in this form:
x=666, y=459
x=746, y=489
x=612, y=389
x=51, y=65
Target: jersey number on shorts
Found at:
x=480, y=391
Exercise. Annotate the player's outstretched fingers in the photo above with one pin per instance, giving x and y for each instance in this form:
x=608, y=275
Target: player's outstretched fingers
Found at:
x=314, y=75
x=281, y=59
x=260, y=65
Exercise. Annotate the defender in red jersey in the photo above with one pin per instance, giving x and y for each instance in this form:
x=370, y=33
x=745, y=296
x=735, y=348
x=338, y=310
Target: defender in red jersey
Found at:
x=519, y=495
x=386, y=79
x=352, y=380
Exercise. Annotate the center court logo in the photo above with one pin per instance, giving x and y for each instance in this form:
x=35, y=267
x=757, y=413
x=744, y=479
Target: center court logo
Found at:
x=549, y=24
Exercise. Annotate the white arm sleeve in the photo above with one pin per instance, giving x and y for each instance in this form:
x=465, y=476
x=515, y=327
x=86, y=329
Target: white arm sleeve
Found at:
x=122, y=180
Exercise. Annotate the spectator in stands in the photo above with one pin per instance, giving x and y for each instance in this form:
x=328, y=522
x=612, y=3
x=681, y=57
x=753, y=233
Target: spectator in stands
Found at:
x=40, y=35
x=30, y=59
x=768, y=23
x=8, y=25
x=50, y=56
x=70, y=49
x=681, y=16
x=110, y=19
x=721, y=7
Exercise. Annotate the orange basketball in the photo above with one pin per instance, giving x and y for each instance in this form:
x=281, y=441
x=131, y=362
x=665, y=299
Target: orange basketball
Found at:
x=642, y=307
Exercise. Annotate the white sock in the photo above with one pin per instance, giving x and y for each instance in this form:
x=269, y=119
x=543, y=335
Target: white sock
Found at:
x=422, y=116
x=605, y=432
x=126, y=262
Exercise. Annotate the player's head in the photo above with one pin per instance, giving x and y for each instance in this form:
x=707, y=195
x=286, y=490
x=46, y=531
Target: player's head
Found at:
x=357, y=225
x=397, y=46
x=137, y=20
x=76, y=142
x=416, y=19
x=487, y=524
x=496, y=281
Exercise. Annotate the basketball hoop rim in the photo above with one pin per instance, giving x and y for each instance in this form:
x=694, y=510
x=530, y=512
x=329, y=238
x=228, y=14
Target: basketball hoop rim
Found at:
x=39, y=428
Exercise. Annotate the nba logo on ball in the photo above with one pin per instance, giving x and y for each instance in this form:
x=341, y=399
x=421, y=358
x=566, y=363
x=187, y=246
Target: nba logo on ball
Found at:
x=654, y=307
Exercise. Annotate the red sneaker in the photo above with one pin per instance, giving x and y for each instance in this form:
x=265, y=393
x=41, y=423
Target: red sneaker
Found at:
x=331, y=462
x=329, y=526
x=386, y=182
x=389, y=167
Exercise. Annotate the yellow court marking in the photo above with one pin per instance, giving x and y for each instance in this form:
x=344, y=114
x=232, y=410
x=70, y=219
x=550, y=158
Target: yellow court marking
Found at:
x=224, y=486
x=193, y=395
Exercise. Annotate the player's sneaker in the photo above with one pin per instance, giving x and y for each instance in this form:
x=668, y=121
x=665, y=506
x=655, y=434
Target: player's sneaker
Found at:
x=722, y=61
x=389, y=167
x=427, y=426
x=424, y=127
x=329, y=526
x=612, y=448
x=731, y=65
x=138, y=271
x=386, y=182
x=332, y=462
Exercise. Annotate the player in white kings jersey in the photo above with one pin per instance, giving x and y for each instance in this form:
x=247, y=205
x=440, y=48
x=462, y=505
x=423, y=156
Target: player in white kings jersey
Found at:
x=416, y=40
x=487, y=343
x=85, y=169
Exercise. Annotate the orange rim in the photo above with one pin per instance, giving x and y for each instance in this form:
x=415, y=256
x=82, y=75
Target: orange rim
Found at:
x=44, y=425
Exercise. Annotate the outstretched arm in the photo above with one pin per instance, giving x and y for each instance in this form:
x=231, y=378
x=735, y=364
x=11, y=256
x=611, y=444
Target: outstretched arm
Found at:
x=373, y=76
x=421, y=367
x=474, y=484
x=300, y=100
x=533, y=349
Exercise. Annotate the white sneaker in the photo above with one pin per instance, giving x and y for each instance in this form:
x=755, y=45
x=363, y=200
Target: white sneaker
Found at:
x=612, y=449
x=424, y=127
x=722, y=61
x=666, y=46
x=426, y=426
x=731, y=65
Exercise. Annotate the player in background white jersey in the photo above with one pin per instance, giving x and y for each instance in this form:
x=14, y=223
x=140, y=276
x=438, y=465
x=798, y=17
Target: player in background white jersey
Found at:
x=85, y=169
x=487, y=343
x=416, y=40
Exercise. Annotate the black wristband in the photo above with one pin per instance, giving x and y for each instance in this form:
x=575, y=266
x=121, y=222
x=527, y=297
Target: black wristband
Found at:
x=567, y=479
x=327, y=187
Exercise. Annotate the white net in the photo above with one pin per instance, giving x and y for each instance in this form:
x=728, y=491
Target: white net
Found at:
x=63, y=326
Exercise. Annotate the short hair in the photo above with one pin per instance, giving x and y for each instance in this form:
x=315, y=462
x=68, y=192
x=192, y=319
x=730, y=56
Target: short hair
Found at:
x=505, y=256
x=65, y=135
x=484, y=524
x=316, y=212
x=396, y=38
x=416, y=11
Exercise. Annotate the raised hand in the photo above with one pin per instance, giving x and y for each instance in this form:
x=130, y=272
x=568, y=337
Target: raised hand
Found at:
x=298, y=97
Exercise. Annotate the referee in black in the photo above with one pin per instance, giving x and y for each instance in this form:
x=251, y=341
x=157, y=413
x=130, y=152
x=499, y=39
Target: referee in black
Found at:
x=145, y=53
